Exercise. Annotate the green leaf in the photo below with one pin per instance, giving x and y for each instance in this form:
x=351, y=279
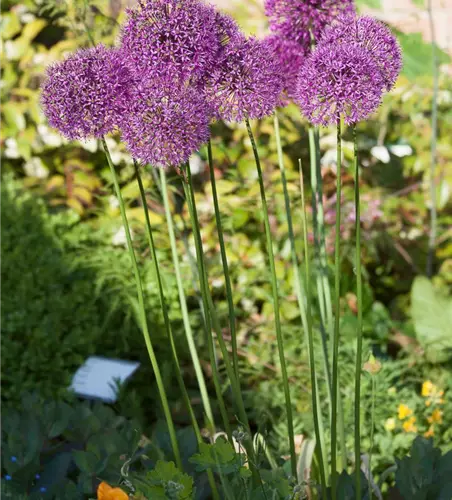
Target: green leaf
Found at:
x=167, y=478
x=417, y=55
x=86, y=461
x=10, y=25
x=219, y=455
x=432, y=316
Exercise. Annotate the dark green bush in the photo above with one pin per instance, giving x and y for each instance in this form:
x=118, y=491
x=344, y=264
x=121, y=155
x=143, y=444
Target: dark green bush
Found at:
x=50, y=318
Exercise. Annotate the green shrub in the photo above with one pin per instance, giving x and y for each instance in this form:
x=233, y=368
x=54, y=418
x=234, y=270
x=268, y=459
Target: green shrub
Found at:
x=50, y=318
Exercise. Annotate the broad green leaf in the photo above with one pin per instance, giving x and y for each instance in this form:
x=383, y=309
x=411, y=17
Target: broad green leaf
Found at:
x=432, y=317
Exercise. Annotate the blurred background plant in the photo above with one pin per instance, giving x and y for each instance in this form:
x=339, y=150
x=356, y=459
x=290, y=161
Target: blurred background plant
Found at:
x=66, y=294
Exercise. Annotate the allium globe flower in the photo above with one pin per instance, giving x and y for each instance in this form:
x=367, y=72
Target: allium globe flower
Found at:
x=339, y=80
x=84, y=95
x=165, y=124
x=290, y=57
x=246, y=81
x=227, y=29
x=175, y=39
x=297, y=19
x=374, y=36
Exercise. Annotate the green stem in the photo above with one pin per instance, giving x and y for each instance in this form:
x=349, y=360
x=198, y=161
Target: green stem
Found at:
x=322, y=279
x=433, y=208
x=144, y=324
x=372, y=428
x=315, y=395
x=274, y=284
x=169, y=333
x=212, y=319
x=208, y=302
x=299, y=287
x=324, y=283
x=183, y=304
x=337, y=274
x=224, y=261
x=163, y=304
x=359, y=336
x=206, y=315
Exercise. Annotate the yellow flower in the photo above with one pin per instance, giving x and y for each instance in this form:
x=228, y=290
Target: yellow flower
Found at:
x=408, y=425
x=390, y=424
x=427, y=388
x=436, y=417
x=404, y=411
x=429, y=433
x=106, y=492
x=433, y=394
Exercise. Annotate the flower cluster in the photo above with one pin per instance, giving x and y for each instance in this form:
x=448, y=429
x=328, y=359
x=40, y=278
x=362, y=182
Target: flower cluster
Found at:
x=179, y=64
x=356, y=60
x=84, y=95
x=406, y=414
x=289, y=56
x=240, y=69
x=304, y=21
x=164, y=126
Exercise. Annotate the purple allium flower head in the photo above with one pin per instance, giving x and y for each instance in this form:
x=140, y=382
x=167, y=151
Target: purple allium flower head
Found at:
x=373, y=35
x=227, y=29
x=246, y=82
x=339, y=80
x=290, y=57
x=84, y=95
x=165, y=124
x=297, y=19
x=171, y=39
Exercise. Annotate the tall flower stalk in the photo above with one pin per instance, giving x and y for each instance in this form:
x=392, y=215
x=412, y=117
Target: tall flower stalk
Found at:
x=183, y=305
x=337, y=303
x=304, y=300
x=274, y=284
x=224, y=260
x=322, y=457
x=212, y=322
x=142, y=309
x=169, y=333
x=359, y=326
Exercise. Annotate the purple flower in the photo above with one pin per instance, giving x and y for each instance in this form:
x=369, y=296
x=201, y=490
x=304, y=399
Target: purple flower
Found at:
x=84, y=95
x=290, y=57
x=246, y=82
x=339, y=80
x=374, y=36
x=172, y=39
x=298, y=19
x=165, y=124
x=227, y=29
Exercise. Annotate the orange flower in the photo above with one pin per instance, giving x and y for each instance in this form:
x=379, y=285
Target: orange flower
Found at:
x=429, y=433
x=106, y=492
x=436, y=417
x=404, y=411
x=408, y=425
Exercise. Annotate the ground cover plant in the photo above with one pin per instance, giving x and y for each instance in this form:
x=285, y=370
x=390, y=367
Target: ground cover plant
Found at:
x=306, y=310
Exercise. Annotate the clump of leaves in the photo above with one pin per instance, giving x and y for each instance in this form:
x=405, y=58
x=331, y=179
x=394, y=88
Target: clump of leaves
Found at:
x=62, y=448
x=426, y=474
